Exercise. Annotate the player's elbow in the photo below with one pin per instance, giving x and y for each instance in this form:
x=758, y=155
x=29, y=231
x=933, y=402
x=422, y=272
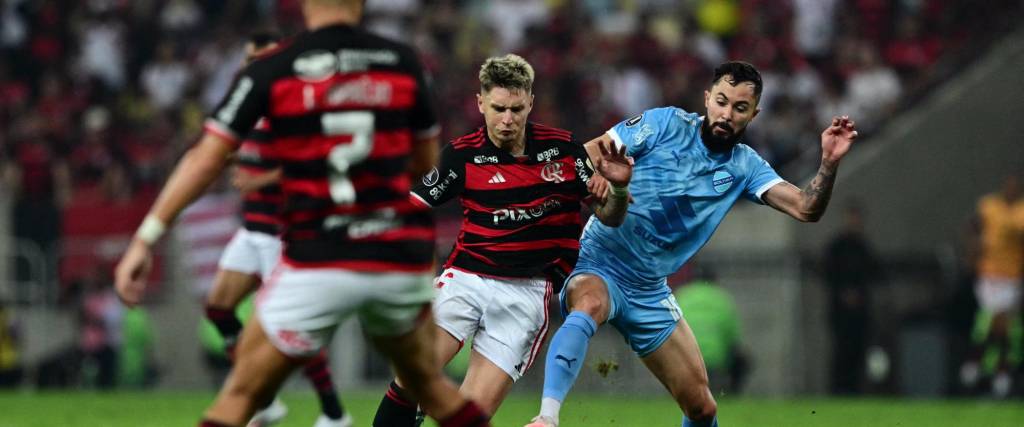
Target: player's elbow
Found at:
x=808, y=216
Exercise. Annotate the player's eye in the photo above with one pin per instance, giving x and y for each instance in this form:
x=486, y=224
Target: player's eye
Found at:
x=517, y=109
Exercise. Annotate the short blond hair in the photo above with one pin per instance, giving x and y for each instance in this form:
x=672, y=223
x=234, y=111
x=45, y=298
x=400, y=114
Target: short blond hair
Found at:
x=510, y=72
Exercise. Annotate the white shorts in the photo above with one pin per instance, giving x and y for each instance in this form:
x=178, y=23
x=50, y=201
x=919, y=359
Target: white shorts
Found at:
x=507, y=318
x=299, y=309
x=998, y=294
x=251, y=252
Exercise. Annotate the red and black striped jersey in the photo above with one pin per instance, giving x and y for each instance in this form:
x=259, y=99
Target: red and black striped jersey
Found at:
x=261, y=209
x=344, y=108
x=521, y=214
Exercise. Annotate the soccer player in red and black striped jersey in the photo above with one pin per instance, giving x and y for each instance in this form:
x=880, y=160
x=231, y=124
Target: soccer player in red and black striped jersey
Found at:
x=521, y=185
x=253, y=252
x=352, y=125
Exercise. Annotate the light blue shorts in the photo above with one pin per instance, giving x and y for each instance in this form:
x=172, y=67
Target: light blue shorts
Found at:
x=645, y=316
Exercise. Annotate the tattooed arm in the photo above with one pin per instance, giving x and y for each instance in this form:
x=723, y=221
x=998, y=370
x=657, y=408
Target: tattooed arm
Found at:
x=808, y=204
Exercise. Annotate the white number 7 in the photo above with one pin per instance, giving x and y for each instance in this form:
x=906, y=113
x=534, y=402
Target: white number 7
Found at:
x=359, y=124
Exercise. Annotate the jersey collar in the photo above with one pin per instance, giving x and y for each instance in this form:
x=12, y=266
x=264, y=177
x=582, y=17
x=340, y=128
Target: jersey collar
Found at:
x=528, y=149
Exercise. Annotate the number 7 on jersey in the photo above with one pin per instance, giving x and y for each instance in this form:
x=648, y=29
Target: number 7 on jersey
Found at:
x=359, y=124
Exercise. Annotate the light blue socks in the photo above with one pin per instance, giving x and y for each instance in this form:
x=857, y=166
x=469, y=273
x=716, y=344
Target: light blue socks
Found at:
x=713, y=422
x=566, y=354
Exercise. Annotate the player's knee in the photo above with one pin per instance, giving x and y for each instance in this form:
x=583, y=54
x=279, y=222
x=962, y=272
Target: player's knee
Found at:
x=413, y=380
x=417, y=378
x=591, y=305
x=585, y=296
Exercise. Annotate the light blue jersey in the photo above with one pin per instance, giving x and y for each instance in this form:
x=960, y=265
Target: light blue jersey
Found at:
x=682, y=192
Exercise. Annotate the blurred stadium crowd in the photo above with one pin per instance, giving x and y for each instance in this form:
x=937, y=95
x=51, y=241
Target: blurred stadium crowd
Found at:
x=98, y=98
x=102, y=94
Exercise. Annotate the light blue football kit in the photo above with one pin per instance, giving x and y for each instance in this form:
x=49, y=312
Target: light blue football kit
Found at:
x=681, y=192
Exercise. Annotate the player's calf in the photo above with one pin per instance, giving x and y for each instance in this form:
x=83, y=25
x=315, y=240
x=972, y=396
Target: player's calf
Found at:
x=696, y=401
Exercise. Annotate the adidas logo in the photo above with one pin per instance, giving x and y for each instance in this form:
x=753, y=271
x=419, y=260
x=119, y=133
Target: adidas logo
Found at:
x=496, y=179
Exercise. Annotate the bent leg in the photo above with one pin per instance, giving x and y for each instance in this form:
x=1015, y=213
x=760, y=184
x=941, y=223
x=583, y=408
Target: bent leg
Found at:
x=229, y=288
x=415, y=363
x=259, y=370
x=513, y=329
x=678, y=364
x=398, y=407
x=589, y=305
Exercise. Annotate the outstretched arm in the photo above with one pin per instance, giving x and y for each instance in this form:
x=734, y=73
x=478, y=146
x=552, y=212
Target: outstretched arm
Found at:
x=194, y=173
x=808, y=204
x=616, y=168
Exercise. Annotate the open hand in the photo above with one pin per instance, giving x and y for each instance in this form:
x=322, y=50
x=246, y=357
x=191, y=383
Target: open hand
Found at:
x=614, y=165
x=837, y=139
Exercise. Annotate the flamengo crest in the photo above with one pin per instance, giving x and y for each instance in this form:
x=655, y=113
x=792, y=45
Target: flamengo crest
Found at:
x=552, y=172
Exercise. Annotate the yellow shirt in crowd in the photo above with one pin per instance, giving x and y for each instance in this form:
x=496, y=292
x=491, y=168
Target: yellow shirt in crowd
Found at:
x=1002, y=237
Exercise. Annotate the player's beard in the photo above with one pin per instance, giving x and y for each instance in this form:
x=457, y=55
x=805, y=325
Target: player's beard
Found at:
x=719, y=144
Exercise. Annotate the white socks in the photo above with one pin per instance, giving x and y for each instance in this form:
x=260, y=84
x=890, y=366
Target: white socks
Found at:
x=550, y=407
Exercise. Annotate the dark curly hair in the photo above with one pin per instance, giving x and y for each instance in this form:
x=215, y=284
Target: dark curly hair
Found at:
x=740, y=72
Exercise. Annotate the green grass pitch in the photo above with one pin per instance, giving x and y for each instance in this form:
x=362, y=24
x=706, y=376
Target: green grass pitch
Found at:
x=159, y=409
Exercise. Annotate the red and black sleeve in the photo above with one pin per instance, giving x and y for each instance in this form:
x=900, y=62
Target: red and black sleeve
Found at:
x=445, y=181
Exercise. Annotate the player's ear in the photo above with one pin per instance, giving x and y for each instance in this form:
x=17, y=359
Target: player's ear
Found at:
x=756, y=111
x=480, y=103
x=707, y=99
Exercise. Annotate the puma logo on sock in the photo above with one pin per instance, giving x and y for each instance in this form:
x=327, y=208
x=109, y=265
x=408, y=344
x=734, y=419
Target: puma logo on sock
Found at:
x=568, y=362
